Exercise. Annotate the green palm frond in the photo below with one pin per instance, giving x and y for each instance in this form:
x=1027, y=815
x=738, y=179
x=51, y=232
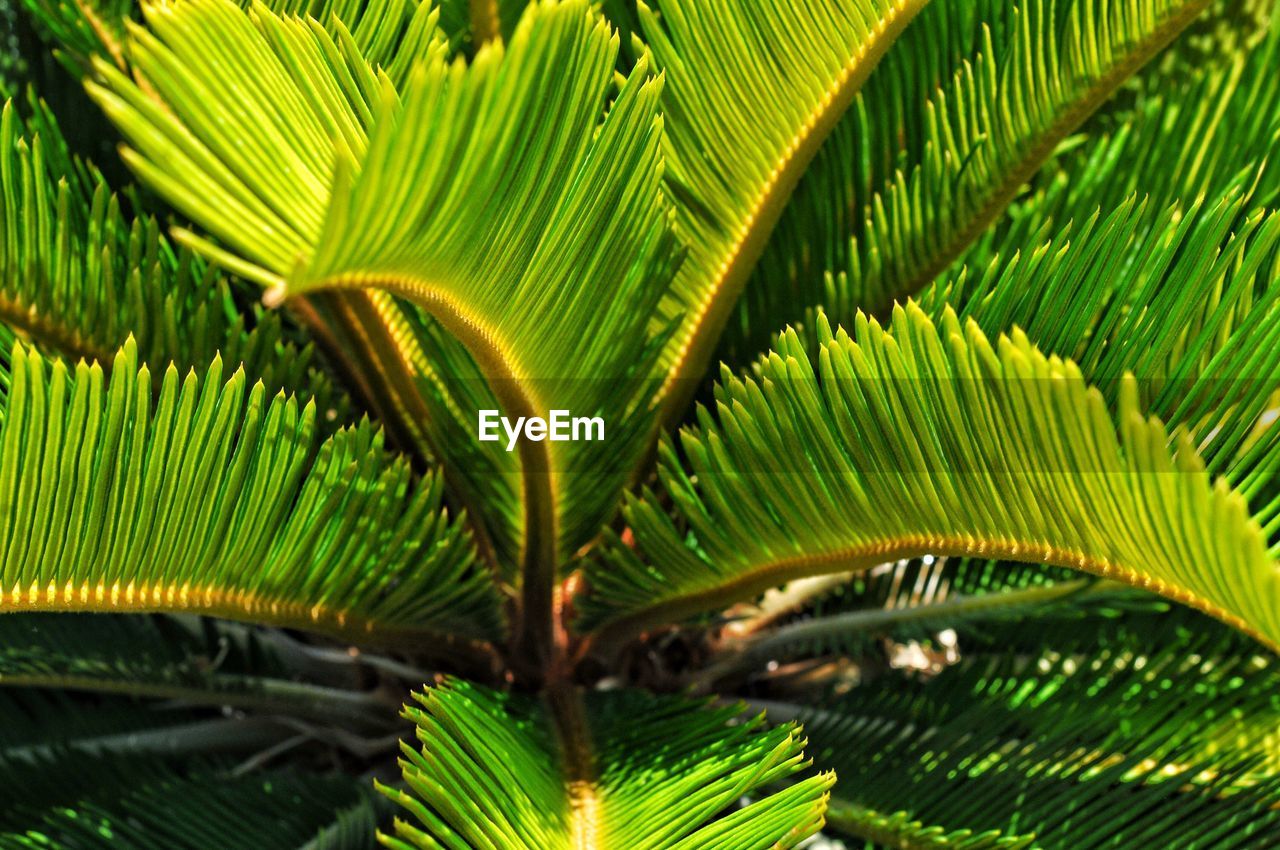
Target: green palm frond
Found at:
x=917, y=600
x=511, y=266
x=277, y=810
x=222, y=502
x=56, y=750
x=733, y=153
x=79, y=276
x=1140, y=737
x=166, y=658
x=884, y=131
x=922, y=439
x=389, y=34
x=1214, y=130
x=916, y=191
x=1183, y=299
x=620, y=769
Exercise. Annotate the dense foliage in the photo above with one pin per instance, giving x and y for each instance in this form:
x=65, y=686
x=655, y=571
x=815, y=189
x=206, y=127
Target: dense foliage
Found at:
x=971, y=541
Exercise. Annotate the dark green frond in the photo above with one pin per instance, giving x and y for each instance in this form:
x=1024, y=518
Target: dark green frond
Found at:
x=270, y=811
x=912, y=192
x=928, y=439
x=56, y=750
x=1155, y=736
x=78, y=276
x=619, y=769
x=195, y=662
x=221, y=501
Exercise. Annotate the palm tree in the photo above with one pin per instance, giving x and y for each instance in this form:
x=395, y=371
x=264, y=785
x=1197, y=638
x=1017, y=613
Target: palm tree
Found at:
x=391, y=383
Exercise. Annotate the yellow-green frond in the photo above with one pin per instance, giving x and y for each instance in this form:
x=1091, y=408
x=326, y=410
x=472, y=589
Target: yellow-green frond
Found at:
x=921, y=438
x=216, y=499
x=621, y=769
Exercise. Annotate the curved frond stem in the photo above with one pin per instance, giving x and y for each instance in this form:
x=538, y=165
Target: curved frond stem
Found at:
x=780, y=601
x=533, y=633
x=698, y=337
x=202, y=736
x=237, y=605
x=744, y=655
x=386, y=375
x=612, y=636
x=274, y=695
x=1042, y=147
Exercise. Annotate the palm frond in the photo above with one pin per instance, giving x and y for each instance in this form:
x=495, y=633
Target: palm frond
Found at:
x=56, y=750
x=1184, y=299
x=390, y=34
x=734, y=156
x=219, y=501
x=1082, y=746
x=79, y=276
x=555, y=202
x=916, y=191
x=164, y=657
x=620, y=769
x=923, y=439
x=918, y=600
x=1214, y=130
x=277, y=810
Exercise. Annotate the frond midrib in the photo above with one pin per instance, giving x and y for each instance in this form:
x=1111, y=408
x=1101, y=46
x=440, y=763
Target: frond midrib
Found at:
x=213, y=601
x=569, y=714
x=539, y=493
x=385, y=367
x=613, y=633
x=716, y=303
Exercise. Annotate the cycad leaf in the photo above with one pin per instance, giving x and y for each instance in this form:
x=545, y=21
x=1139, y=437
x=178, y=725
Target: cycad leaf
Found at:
x=277, y=810
x=1210, y=133
x=389, y=33
x=617, y=769
x=1154, y=735
x=1184, y=299
x=219, y=501
x=916, y=191
x=924, y=439
x=918, y=600
x=553, y=201
x=753, y=88
x=198, y=663
x=79, y=277
x=56, y=750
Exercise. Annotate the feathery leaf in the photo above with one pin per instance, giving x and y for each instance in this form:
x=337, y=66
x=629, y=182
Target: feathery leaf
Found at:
x=620, y=769
x=219, y=501
x=915, y=192
x=924, y=439
x=753, y=88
